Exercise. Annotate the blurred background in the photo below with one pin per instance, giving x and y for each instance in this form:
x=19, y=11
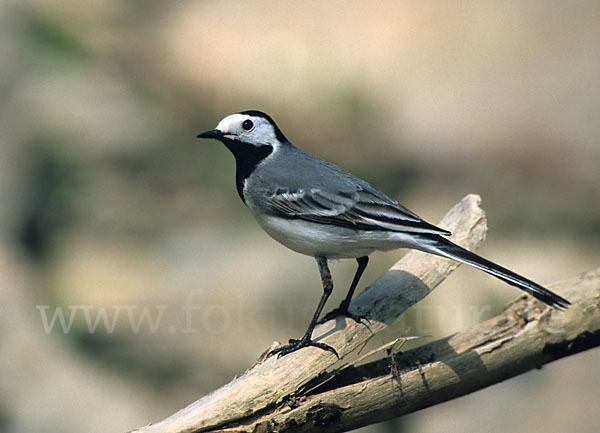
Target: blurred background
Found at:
x=135, y=281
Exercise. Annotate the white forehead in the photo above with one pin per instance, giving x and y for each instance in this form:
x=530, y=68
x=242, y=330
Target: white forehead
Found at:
x=263, y=132
x=232, y=122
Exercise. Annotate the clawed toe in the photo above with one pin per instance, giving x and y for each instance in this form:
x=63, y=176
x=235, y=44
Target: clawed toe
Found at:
x=299, y=344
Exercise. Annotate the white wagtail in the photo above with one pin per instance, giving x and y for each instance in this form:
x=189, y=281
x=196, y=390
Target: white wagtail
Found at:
x=319, y=209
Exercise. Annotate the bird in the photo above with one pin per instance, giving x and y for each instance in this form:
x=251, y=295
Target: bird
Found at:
x=316, y=208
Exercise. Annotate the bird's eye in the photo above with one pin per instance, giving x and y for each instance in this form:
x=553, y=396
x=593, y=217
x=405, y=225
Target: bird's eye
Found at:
x=247, y=125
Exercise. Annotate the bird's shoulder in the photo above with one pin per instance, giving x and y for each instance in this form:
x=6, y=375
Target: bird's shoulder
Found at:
x=296, y=169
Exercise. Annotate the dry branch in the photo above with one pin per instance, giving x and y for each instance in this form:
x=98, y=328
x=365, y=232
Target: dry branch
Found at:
x=303, y=390
x=525, y=336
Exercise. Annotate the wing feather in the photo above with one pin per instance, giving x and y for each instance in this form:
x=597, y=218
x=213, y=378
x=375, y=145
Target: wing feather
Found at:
x=359, y=209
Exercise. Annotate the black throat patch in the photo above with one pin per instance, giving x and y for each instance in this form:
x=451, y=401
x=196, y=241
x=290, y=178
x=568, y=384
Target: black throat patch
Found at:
x=247, y=157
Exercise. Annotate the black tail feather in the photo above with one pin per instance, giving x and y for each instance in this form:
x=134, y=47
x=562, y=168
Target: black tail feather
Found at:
x=443, y=247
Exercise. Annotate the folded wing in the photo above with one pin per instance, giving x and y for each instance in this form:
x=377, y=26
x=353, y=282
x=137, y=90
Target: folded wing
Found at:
x=359, y=209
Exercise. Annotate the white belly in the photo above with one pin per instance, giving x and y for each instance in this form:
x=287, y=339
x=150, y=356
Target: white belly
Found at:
x=333, y=242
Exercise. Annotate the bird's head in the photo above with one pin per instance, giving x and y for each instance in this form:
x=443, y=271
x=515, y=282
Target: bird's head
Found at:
x=249, y=127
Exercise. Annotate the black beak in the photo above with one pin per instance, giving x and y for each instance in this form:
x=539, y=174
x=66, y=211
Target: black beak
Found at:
x=213, y=133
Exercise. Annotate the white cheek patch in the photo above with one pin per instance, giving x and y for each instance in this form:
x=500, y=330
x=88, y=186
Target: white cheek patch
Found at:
x=263, y=134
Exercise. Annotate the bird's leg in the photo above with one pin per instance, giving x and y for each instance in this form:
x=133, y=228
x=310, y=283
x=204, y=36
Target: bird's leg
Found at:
x=342, y=310
x=306, y=340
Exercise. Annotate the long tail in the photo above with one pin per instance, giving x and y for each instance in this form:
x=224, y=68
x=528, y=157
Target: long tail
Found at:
x=438, y=245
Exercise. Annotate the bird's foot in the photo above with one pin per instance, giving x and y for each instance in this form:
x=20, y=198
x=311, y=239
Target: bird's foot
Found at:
x=342, y=310
x=299, y=344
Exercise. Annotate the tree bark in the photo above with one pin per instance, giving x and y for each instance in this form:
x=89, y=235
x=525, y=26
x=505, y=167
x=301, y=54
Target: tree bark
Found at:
x=310, y=389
